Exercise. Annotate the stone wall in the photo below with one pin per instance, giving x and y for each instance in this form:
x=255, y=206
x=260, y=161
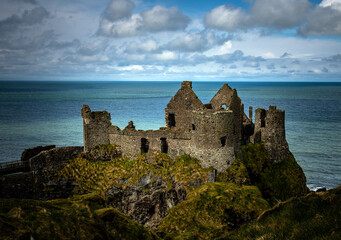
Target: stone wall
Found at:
x=133, y=142
x=180, y=107
x=270, y=129
x=95, y=127
x=39, y=183
x=227, y=98
x=212, y=133
x=213, y=138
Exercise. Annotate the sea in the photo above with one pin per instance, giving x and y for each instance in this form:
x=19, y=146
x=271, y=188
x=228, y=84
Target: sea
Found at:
x=49, y=112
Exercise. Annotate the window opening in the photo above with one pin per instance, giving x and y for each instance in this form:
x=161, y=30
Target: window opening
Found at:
x=164, y=145
x=171, y=120
x=223, y=141
x=262, y=123
x=144, y=145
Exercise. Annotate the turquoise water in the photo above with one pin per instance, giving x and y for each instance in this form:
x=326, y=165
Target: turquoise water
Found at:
x=40, y=113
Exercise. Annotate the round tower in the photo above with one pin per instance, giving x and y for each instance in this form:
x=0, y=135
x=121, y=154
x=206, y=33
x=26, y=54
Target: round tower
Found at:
x=212, y=129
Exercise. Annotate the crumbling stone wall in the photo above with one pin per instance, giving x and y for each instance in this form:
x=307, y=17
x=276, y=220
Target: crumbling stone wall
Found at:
x=134, y=142
x=212, y=133
x=270, y=129
x=95, y=127
x=227, y=98
x=180, y=107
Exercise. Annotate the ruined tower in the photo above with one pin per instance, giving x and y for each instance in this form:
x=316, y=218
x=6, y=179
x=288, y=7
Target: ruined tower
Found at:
x=270, y=129
x=180, y=107
x=213, y=138
x=95, y=127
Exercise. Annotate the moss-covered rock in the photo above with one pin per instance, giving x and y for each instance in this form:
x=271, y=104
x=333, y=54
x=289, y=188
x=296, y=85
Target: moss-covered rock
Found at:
x=237, y=173
x=143, y=189
x=315, y=216
x=83, y=217
x=103, y=152
x=211, y=210
x=276, y=181
x=99, y=176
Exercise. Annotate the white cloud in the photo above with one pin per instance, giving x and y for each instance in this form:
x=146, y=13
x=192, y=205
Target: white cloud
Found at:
x=280, y=14
x=131, y=68
x=225, y=48
x=268, y=55
x=160, y=18
x=325, y=19
x=121, y=28
x=335, y=4
x=166, y=56
x=194, y=42
x=142, y=47
x=226, y=18
x=118, y=9
x=157, y=19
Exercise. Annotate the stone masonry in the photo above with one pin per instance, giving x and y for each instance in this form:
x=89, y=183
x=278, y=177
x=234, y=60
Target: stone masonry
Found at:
x=212, y=133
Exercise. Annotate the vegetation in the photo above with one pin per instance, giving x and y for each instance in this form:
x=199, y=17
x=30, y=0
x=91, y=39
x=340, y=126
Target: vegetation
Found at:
x=237, y=173
x=236, y=206
x=315, y=216
x=99, y=176
x=276, y=181
x=213, y=209
x=82, y=217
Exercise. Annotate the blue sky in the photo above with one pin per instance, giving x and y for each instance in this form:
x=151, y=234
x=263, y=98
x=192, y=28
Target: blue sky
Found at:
x=272, y=40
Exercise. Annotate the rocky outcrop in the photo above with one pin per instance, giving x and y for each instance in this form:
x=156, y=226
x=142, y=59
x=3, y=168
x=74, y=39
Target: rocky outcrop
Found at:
x=53, y=160
x=83, y=217
x=147, y=203
x=278, y=181
x=40, y=183
x=314, y=216
x=212, y=209
x=31, y=152
x=34, y=186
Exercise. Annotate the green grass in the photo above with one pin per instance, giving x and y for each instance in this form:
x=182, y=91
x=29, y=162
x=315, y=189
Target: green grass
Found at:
x=313, y=217
x=276, y=181
x=99, y=176
x=211, y=210
x=82, y=217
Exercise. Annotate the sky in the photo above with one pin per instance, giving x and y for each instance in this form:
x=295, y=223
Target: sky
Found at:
x=199, y=40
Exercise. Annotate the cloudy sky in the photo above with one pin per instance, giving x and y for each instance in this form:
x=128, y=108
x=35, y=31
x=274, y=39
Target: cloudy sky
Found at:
x=278, y=40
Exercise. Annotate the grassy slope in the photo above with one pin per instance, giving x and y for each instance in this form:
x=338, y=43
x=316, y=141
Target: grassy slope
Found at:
x=99, y=176
x=211, y=210
x=315, y=216
x=276, y=181
x=83, y=217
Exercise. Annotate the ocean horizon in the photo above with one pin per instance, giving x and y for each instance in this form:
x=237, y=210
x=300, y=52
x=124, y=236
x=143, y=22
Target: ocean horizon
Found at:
x=48, y=112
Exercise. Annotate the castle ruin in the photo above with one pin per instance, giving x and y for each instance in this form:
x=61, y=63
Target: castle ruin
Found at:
x=212, y=132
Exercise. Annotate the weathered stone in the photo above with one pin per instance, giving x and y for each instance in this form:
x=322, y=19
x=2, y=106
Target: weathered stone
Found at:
x=213, y=133
x=34, y=186
x=39, y=183
x=146, y=202
x=54, y=160
x=270, y=129
x=31, y=152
